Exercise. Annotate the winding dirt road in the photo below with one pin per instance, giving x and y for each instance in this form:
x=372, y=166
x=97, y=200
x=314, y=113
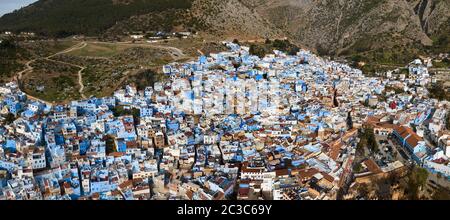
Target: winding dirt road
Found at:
x=176, y=54
x=29, y=68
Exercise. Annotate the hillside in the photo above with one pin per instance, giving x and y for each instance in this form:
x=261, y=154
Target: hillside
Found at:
x=385, y=32
x=108, y=18
x=213, y=18
x=90, y=17
x=358, y=25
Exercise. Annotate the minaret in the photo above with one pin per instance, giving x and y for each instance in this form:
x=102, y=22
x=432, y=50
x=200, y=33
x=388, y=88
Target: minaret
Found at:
x=349, y=120
x=335, y=101
x=321, y=133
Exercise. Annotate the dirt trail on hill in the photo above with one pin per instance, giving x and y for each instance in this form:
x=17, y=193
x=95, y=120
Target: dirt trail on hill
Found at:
x=29, y=68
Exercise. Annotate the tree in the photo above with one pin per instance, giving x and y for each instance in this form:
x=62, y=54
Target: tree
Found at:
x=358, y=168
x=10, y=118
x=236, y=65
x=349, y=120
x=363, y=190
x=110, y=146
x=420, y=175
x=417, y=178
x=437, y=91
x=447, y=121
x=257, y=51
x=93, y=17
x=121, y=111
x=369, y=139
x=293, y=51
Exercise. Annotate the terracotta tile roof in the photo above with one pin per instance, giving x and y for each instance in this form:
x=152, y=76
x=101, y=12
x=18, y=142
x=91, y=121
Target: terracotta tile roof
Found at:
x=243, y=192
x=406, y=132
x=327, y=177
x=307, y=173
x=372, y=166
x=335, y=149
x=116, y=154
x=386, y=125
x=126, y=184
x=373, y=120
x=189, y=194
x=282, y=172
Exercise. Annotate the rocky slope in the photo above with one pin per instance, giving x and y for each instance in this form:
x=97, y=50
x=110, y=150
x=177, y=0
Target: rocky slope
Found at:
x=359, y=25
x=336, y=27
x=213, y=18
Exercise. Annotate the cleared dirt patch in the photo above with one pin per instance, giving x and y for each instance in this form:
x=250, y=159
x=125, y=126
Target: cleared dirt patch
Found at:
x=100, y=50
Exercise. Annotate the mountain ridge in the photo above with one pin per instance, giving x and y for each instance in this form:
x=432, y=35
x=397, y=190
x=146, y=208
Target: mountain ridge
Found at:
x=330, y=27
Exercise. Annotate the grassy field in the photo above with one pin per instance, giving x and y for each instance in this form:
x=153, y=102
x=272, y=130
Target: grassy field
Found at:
x=100, y=50
x=57, y=46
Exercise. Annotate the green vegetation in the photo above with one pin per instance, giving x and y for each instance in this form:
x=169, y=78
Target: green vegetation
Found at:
x=67, y=17
x=46, y=48
x=121, y=111
x=378, y=56
x=63, y=82
x=134, y=65
x=363, y=190
x=100, y=78
x=14, y=53
x=367, y=139
x=417, y=178
x=437, y=91
x=9, y=118
x=357, y=168
x=258, y=50
x=261, y=50
x=110, y=145
x=286, y=46
x=59, y=83
x=10, y=54
x=445, y=63
x=381, y=59
x=146, y=78
x=441, y=40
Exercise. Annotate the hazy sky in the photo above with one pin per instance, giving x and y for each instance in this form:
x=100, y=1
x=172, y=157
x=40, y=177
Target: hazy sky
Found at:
x=7, y=6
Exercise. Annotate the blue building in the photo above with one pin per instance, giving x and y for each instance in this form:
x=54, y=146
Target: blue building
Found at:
x=121, y=145
x=146, y=112
x=412, y=143
x=10, y=145
x=15, y=107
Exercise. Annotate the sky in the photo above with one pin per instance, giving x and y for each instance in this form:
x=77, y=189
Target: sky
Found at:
x=7, y=6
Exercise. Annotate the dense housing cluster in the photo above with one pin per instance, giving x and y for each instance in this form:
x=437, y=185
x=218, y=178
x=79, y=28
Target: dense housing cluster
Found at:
x=227, y=126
